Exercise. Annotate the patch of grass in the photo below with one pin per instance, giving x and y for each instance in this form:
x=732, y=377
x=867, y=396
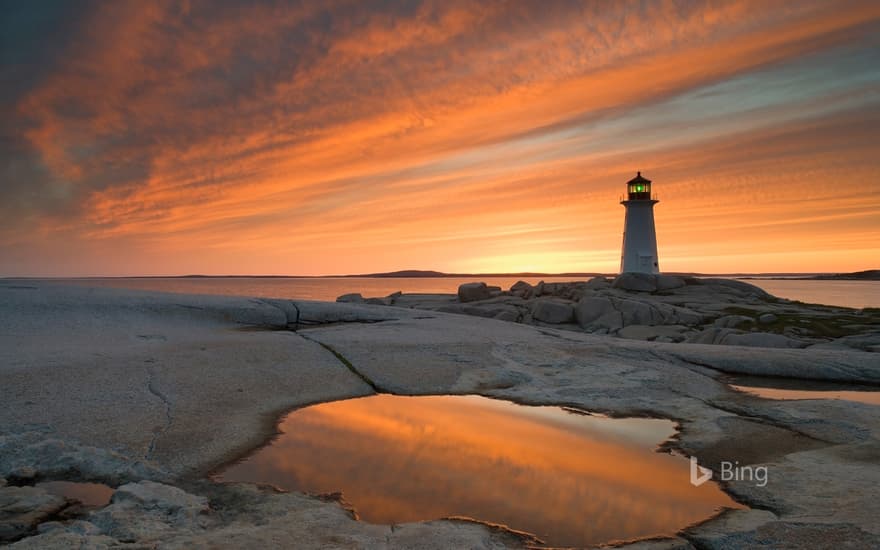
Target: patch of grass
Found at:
x=821, y=324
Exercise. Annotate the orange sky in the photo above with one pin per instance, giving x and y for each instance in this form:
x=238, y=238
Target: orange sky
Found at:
x=340, y=137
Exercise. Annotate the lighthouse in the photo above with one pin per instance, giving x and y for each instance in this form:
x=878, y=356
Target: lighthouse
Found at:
x=639, y=254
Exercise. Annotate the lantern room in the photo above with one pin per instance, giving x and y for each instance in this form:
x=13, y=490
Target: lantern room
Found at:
x=638, y=188
x=639, y=252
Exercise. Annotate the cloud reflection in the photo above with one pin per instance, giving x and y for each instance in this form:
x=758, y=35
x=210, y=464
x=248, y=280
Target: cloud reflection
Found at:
x=572, y=480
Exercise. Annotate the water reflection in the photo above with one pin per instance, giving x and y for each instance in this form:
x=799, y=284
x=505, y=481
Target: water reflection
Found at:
x=787, y=388
x=570, y=479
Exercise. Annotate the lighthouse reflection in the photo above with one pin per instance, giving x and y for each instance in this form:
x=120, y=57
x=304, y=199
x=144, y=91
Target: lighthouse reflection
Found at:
x=570, y=479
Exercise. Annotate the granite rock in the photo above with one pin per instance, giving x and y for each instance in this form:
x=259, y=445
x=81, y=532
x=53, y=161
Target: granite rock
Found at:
x=352, y=298
x=552, y=311
x=473, y=292
x=636, y=282
x=767, y=318
x=23, y=508
x=190, y=390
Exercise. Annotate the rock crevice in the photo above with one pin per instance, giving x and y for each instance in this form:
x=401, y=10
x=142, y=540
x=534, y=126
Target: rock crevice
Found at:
x=153, y=388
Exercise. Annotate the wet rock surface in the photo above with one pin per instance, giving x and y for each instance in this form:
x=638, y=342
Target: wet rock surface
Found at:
x=150, y=392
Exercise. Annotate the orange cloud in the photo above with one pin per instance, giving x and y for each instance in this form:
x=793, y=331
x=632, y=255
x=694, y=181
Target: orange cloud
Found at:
x=329, y=133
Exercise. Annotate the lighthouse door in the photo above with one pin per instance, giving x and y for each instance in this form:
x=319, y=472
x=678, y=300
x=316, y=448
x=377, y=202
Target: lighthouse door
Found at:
x=645, y=262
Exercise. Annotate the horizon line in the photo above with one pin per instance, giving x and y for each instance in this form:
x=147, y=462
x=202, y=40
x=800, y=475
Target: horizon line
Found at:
x=425, y=274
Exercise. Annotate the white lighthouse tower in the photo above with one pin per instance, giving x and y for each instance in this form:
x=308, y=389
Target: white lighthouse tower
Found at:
x=639, y=252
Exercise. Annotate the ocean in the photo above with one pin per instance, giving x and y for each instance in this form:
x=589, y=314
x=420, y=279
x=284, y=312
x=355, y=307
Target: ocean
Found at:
x=855, y=294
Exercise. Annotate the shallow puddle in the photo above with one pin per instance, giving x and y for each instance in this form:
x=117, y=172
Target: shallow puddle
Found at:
x=787, y=388
x=570, y=479
x=90, y=494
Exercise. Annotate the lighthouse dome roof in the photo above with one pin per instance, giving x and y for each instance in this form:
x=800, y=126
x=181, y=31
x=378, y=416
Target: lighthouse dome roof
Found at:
x=639, y=179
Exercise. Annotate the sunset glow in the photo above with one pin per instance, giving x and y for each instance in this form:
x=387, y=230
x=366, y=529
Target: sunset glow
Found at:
x=574, y=480
x=166, y=138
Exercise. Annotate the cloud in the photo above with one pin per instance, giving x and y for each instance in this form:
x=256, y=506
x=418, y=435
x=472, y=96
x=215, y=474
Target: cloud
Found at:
x=201, y=126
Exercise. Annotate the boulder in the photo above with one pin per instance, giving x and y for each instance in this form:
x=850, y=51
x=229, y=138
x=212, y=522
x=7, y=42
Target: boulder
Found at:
x=352, y=298
x=636, y=282
x=683, y=316
x=143, y=511
x=167, y=499
x=539, y=288
x=590, y=308
x=597, y=313
x=520, y=285
x=668, y=282
x=731, y=286
x=522, y=289
x=635, y=312
x=767, y=319
x=552, y=311
x=557, y=289
x=610, y=322
x=389, y=300
x=597, y=283
x=472, y=292
x=23, y=508
x=29, y=454
x=496, y=310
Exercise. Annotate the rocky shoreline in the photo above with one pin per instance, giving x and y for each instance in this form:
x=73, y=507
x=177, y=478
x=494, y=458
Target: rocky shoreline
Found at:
x=150, y=392
x=659, y=308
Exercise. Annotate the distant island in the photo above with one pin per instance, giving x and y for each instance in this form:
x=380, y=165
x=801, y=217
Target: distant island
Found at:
x=867, y=275
x=414, y=273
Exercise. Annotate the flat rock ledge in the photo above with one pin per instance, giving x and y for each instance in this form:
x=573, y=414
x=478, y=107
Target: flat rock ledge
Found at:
x=659, y=308
x=150, y=393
